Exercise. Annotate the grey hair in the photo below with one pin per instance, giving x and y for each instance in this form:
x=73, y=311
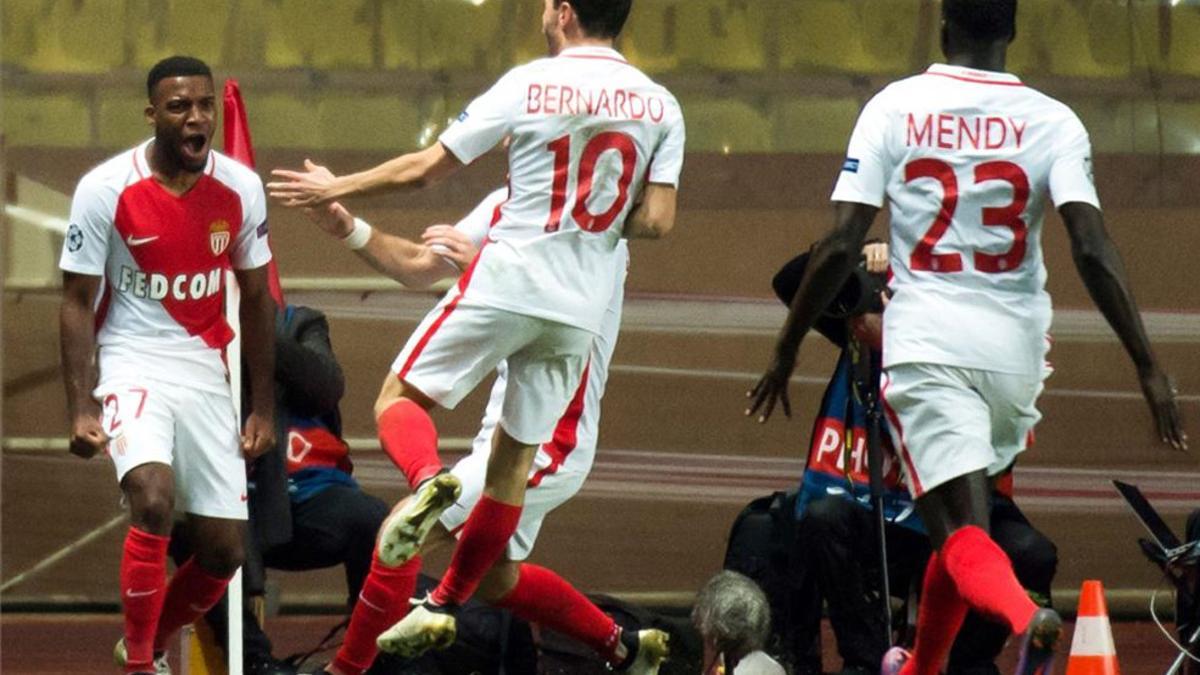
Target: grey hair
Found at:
x=732, y=612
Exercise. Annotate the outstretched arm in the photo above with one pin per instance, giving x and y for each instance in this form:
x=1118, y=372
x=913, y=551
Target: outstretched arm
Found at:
x=412, y=264
x=832, y=261
x=315, y=186
x=1103, y=274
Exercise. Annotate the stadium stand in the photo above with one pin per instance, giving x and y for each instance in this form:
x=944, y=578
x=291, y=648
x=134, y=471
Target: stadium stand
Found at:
x=721, y=124
x=426, y=35
x=60, y=120
x=723, y=36
x=79, y=36
x=320, y=34
x=814, y=124
x=839, y=36
x=1105, y=46
x=1184, y=53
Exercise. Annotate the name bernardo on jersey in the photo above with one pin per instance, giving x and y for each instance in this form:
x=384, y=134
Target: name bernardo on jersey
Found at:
x=155, y=286
x=553, y=99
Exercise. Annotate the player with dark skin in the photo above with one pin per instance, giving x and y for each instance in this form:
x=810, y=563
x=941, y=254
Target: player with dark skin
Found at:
x=182, y=111
x=963, y=501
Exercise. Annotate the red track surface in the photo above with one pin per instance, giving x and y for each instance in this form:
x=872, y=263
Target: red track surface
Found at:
x=54, y=644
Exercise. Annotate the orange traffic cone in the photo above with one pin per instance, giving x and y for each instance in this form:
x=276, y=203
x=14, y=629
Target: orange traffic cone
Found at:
x=1092, y=648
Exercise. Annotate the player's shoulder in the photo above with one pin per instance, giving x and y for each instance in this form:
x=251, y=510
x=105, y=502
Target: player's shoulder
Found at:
x=898, y=91
x=112, y=174
x=654, y=85
x=527, y=71
x=99, y=190
x=234, y=174
x=1050, y=108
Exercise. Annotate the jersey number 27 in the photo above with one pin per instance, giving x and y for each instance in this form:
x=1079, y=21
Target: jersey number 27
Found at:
x=598, y=145
x=923, y=258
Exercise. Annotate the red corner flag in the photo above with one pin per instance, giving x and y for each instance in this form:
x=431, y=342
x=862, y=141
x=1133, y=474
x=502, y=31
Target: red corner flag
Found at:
x=238, y=146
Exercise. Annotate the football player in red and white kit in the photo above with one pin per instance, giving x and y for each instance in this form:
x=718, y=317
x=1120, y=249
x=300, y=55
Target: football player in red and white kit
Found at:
x=966, y=155
x=152, y=233
x=595, y=156
x=560, y=466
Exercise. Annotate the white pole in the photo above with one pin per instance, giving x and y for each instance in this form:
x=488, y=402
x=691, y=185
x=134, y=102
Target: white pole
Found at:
x=233, y=641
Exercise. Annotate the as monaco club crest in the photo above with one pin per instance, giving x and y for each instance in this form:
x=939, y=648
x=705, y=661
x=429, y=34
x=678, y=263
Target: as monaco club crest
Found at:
x=218, y=236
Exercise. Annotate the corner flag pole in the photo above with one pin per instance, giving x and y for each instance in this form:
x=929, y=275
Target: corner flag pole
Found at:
x=237, y=146
x=233, y=594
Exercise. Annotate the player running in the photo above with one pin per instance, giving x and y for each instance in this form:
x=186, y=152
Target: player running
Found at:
x=966, y=155
x=595, y=156
x=559, y=469
x=153, y=232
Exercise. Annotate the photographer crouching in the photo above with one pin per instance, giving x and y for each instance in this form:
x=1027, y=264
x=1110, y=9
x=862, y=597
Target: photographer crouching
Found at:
x=838, y=543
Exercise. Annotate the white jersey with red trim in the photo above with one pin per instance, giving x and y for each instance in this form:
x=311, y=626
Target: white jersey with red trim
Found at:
x=587, y=131
x=573, y=448
x=966, y=160
x=160, y=310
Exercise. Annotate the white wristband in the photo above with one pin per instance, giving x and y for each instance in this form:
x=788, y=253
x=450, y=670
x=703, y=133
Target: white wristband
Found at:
x=359, y=236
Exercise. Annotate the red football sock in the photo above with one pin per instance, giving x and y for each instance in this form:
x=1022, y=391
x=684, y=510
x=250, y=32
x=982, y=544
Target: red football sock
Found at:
x=143, y=587
x=484, y=537
x=939, y=617
x=409, y=438
x=191, y=593
x=985, y=578
x=543, y=597
x=382, y=602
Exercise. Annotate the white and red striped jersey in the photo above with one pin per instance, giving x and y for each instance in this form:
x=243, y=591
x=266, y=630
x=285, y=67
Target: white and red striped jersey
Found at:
x=163, y=259
x=587, y=132
x=966, y=160
x=573, y=447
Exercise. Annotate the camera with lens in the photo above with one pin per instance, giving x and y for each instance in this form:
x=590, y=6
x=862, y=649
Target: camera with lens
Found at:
x=859, y=295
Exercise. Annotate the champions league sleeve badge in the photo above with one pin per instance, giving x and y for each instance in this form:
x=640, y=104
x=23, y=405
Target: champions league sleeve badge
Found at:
x=74, y=238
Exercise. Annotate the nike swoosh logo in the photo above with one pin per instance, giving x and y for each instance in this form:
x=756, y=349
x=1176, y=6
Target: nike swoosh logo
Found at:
x=138, y=594
x=138, y=241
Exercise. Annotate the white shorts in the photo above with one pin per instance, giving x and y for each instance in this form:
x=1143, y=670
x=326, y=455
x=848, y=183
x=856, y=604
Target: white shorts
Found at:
x=949, y=421
x=191, y=430
x=458, y=344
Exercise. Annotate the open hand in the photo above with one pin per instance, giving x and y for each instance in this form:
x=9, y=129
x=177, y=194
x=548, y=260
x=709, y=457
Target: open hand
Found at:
x=87, y=436
x=309, y=188
x=1160, y=395
x=772, y=388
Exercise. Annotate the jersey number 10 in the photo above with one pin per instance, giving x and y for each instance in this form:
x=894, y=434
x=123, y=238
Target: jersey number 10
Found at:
x=923, y=258
x=585, y=219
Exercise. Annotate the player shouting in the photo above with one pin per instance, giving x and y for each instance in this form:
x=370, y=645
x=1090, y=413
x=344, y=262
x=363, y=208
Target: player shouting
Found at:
x=153, y=232
x=966, y=155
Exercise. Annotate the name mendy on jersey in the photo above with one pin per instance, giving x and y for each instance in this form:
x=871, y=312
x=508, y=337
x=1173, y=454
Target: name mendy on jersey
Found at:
x=181, y=287
x=956, y=132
